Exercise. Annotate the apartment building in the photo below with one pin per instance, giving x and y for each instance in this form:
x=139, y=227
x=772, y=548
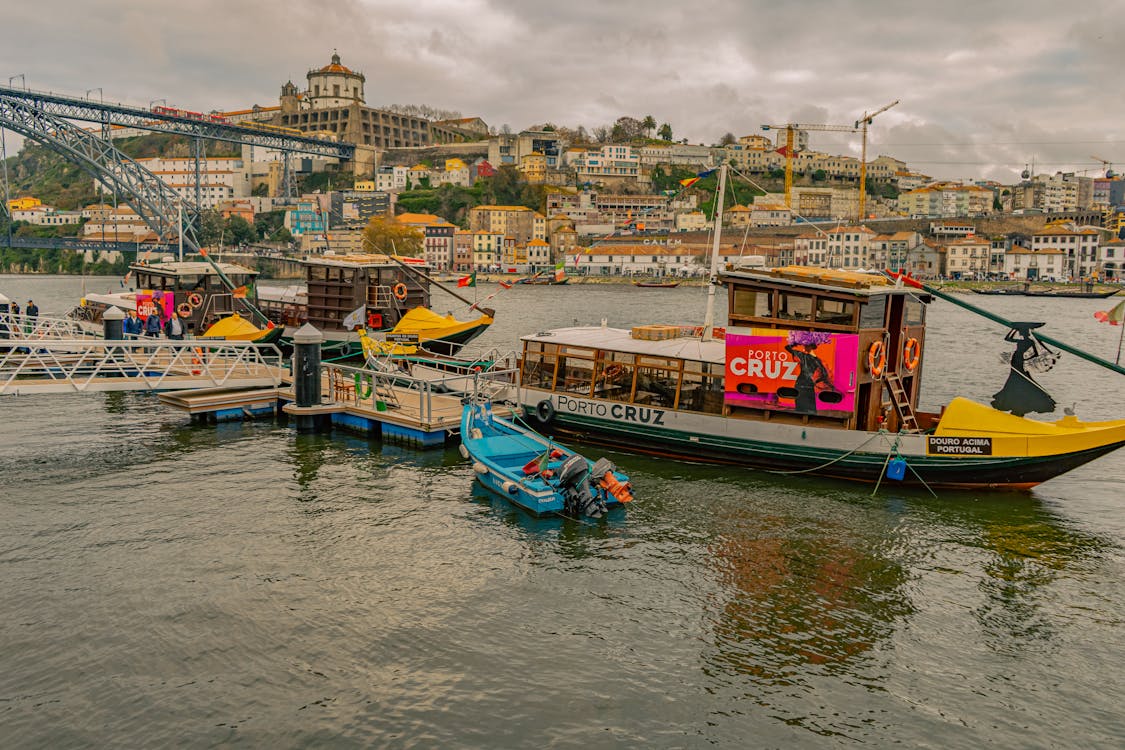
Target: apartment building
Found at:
x=967, y=258
x=1033, y=264
x=1079, y=248
x=514, y=221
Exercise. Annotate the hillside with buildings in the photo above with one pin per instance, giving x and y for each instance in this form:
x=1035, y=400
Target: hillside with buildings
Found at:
x=622, y=198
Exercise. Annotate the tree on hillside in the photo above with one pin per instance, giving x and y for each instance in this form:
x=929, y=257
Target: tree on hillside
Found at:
x=665, y=132
x=626, y=129
x=727, y=139
x=383, y=235
x=238, y=231
x=601, y=134
x=649, y=124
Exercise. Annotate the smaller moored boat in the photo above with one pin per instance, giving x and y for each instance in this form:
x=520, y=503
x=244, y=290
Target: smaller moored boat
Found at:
x=536, y=473
x=657, y=284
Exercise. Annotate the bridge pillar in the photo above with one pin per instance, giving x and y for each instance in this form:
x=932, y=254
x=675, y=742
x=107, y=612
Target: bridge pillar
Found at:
x=306, y=377
x=113, y=322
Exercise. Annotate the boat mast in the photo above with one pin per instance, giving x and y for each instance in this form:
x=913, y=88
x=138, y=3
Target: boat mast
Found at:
x=180, y=222
x=709, y=318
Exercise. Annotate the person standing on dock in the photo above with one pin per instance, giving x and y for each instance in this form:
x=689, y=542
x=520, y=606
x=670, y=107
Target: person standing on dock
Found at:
x=133, y=325
x=175, y=328
x=30, y=314
x=152, y=325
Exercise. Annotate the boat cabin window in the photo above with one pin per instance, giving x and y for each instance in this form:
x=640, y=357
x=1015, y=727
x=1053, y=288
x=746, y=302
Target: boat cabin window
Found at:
x=794, y=306
x=539, y=364
x=834, y=311
x=873, y=312
x=575, y=370
x=915, y=312
x=750, y=303
x=624, y=377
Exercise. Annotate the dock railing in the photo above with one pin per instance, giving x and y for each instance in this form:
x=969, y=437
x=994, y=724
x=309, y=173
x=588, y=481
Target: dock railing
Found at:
x=42, y=327
x=79, y=365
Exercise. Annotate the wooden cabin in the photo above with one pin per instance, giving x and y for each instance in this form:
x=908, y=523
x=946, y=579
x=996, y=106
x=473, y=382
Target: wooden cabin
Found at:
x=869, y=306
x=200, y=295
x=339, y=285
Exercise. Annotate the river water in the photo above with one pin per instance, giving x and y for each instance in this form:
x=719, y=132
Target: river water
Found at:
x=167, y=584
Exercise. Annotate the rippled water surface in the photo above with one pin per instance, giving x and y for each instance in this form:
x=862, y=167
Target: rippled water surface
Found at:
x=165, y=584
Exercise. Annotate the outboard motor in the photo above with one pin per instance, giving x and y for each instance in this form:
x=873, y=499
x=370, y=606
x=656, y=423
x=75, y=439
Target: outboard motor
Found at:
x=574, y=481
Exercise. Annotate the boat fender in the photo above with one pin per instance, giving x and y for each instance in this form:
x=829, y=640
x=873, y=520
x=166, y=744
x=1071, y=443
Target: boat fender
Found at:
x=876, y=359
x=195, y=299
x=545, y=411
x=399, y=291
x=480, y=468
x=510, y=487
x=911, y=351
x=475, y=433
x=463, y=450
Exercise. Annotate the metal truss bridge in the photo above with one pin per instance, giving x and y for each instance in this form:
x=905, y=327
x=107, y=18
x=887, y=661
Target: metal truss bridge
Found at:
x=50, y=119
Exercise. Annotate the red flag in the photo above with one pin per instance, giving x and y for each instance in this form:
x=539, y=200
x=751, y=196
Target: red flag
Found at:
x=505, y=284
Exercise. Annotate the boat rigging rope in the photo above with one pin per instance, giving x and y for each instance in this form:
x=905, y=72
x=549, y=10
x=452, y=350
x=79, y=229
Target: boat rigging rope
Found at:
x=826, y=465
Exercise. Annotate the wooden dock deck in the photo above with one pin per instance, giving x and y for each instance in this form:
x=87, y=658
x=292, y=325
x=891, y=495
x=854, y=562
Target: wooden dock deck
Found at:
x=392, y=413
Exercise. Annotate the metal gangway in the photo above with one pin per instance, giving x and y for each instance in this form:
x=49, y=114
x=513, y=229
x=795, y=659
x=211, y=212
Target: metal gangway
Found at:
x=56, y=365
x=42, y=327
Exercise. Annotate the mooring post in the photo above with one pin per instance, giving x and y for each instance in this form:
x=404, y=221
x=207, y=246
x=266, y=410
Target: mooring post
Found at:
x=113, y=324
x=306, y=374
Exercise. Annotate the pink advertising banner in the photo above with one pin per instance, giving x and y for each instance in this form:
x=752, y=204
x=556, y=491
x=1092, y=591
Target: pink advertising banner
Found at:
x=805, y=371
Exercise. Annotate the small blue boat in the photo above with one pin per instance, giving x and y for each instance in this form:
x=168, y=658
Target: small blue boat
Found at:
x=535, y=472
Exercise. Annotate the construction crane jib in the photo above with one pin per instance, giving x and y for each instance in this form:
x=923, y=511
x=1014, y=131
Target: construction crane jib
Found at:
x=861, y=124
x=790, y=129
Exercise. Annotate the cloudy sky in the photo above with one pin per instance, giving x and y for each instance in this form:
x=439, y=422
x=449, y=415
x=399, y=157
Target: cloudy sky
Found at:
x=985, y=86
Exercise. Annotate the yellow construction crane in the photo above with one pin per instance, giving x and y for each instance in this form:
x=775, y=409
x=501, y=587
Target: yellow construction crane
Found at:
x=863, y=122
x=1109, y=173
x=790, y=129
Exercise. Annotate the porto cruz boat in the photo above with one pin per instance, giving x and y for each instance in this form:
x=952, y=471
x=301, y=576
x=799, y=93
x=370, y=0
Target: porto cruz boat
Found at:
x=819, y=372
x=535, y=473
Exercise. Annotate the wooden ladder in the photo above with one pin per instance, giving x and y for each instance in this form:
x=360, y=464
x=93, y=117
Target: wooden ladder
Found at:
x=901, y=402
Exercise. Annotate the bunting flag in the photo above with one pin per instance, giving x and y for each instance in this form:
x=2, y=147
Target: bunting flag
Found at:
x=1114, y=316
x=784, y=151
x=354, y=319
x=239, y=293
x=577, y=257
x=690, y=181
x=506, y=284
x=470, y=280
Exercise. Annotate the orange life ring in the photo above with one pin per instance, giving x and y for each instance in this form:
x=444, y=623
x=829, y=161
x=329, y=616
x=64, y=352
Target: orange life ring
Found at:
x=613, y=371
x=877, y=359
x=184, y=309
x=399, y=291
x=911, y=352
x=195, y=299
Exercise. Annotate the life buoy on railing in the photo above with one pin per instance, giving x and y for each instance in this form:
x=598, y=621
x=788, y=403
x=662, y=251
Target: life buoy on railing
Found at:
x=399, y=291
x=877, y=359
x=184, y=309
x=195, y=299
x=545, y=411
x=613, y=371
x=911, y=353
